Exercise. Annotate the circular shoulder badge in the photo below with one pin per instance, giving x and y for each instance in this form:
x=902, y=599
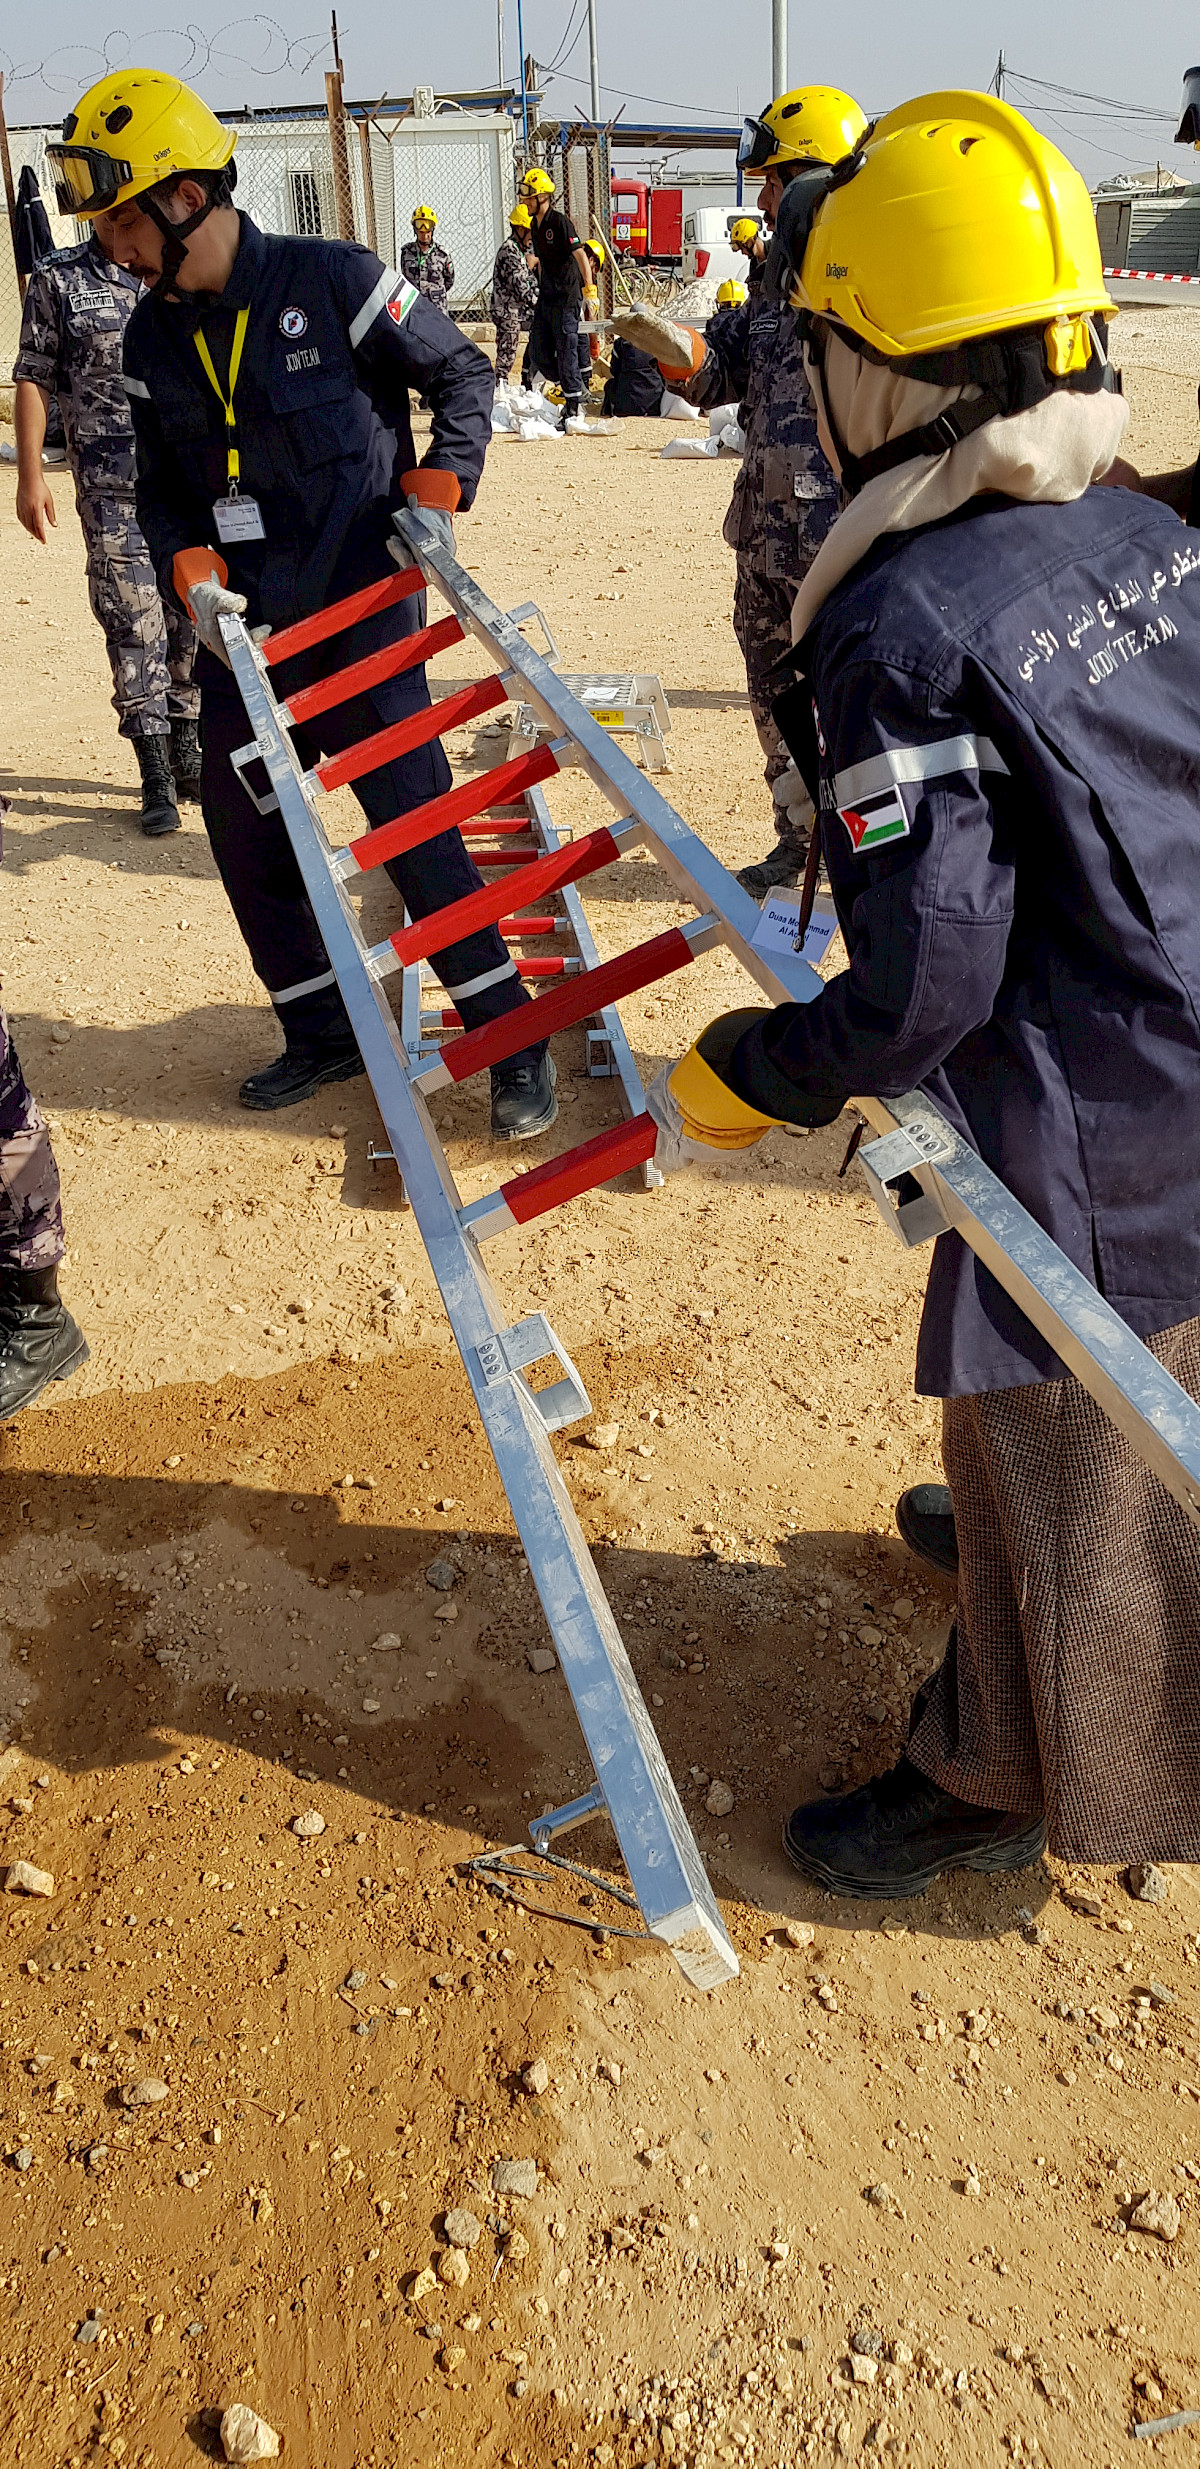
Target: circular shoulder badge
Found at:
x=293, y=322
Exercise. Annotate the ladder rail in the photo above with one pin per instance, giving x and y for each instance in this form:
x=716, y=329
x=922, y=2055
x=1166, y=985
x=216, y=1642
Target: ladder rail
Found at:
x=659, y=1850
x=1155, y=1414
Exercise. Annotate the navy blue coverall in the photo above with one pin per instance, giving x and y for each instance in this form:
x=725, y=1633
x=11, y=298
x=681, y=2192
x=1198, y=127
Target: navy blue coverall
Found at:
x=334, y=342
x=1008, y=750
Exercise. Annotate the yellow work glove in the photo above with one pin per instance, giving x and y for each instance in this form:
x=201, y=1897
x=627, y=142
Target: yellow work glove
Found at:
x=699, y=1115
x=591, y=307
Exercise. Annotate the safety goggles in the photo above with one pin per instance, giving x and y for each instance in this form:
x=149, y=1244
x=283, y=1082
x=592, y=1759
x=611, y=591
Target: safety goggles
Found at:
x=756, y=145
x=85, y=180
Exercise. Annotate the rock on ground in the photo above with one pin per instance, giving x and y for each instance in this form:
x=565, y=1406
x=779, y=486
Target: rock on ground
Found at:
x=515, y=2177
x=245, y=2436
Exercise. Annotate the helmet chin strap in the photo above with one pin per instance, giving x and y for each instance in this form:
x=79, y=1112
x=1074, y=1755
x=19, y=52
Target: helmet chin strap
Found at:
x=175, y=239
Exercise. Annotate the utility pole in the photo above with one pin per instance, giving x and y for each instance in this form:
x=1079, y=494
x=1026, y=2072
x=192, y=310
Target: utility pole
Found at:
x=594, y=59
x=524, y=88
x=778, y=48
x=343, y=194
x=500, y=44
x=997, y=85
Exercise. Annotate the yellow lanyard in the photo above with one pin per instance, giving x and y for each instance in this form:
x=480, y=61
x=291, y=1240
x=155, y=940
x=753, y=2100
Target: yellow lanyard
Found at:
x=226, y=401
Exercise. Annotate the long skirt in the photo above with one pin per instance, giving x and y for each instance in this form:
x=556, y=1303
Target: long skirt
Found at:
x=1071, y=1685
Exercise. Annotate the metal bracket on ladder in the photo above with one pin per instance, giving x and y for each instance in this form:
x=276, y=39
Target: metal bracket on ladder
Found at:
x=950, y=1185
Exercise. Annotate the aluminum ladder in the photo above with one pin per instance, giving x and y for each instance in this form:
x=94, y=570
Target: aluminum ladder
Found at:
x=924, y=1177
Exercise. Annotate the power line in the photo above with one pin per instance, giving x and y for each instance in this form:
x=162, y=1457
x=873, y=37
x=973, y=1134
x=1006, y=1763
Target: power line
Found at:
x=562, y=53
x=1076, y=94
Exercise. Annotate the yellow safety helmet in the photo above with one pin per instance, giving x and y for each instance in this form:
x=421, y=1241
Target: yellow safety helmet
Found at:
x=424, y=214
x=744, y=232
x=129, y=131
x=520, y=217
x=812, y=124
x=597, y=248
x=731, y=295
x=537, y=183
x=955, y=222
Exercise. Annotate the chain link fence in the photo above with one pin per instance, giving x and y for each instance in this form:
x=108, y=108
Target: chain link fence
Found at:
x=462, y=164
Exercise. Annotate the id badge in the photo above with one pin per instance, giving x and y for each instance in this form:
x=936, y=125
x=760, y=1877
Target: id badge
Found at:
x=238, y=518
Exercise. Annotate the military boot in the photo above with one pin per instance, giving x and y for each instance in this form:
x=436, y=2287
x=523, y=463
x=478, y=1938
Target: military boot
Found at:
x=39, y=1341
x=160, y=810
x=185, y=760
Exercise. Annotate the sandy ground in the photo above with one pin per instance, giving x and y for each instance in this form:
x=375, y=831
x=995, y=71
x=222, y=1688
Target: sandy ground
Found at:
x=217, y=1616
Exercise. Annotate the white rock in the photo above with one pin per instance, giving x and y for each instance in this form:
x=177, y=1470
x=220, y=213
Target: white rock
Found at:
x=536, y=2076
x=798, y=1932
x=310, y=1823
x=21, y=1878
x=718, y=1799
x=370, y=1705
x=453, y=2268
x=246, y=2436
x=602, y=1436
x=462, y=2229
x=1157, y=2216
x=145, y=2093
x=515, y=2177
x=388, y=1644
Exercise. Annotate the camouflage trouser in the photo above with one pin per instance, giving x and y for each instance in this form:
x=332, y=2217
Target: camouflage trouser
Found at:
x=31, y=1224
x=508, y=338
x=150, y=645
x=762, y=622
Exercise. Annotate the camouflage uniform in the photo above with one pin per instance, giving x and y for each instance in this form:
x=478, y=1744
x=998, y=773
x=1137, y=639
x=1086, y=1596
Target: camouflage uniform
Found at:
x=72, y=330
x=785, y=496
x=431, y=271
x=31, y=1222
x=514, y=290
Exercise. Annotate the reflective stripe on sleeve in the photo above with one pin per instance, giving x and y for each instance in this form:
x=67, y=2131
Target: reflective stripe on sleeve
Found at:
x=392, y=292
x=479, y=985
x=134, y=386
x=307, y=985
x=900, y=763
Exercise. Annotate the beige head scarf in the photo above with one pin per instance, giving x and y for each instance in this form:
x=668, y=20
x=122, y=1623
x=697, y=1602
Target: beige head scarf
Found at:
x=1052, y=453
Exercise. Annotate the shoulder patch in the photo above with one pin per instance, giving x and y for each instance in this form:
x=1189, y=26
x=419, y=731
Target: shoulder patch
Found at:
x=874, y=821
x=293, y=323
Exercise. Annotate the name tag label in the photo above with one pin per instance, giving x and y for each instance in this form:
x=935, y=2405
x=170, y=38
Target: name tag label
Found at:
x=238, y=518
x=778, y=929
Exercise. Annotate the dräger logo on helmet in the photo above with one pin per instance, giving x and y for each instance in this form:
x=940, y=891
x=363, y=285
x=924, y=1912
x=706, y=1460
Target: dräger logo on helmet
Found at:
x=293, y=323
x=836, y=274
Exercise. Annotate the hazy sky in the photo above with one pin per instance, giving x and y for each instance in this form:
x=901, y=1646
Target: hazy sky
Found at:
x=705, y=57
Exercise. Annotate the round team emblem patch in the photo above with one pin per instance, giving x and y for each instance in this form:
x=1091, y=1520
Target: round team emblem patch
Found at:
x=293, y=323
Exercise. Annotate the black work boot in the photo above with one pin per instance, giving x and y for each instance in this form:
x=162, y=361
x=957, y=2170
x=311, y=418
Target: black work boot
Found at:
x=894, y=1836
x=298, y=1073
x=39, y=1341
x=523, y=1099
x=782, y=870
x=160, y=811
x=925, y=1517
x=185, y=760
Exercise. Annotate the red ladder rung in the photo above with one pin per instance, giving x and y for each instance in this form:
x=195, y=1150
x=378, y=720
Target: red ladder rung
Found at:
x=441, y=814
x=372, y=752
x=488, y=825
x=408, y=653
x=512, y=928
x=342, y=613
x=541, y=965
x=580, y=1170
x=482, y=908
x=576, y=999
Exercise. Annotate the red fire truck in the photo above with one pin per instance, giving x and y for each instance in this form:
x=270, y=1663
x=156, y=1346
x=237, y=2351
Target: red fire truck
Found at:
x=647, y=223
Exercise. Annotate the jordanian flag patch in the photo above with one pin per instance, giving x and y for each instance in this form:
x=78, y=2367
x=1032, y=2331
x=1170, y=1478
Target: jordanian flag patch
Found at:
x=874, y=821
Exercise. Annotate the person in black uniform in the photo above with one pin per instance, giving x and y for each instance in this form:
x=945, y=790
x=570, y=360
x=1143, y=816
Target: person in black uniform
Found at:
x=567, y=284
x=269, y=382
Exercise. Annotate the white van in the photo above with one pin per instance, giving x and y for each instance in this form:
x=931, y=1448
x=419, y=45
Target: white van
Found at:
x=707, y=255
